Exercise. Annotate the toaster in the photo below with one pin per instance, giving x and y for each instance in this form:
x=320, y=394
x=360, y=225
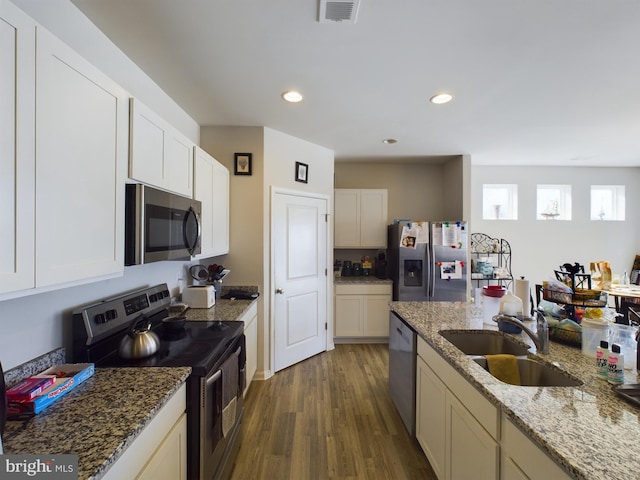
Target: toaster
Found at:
x=199, y=296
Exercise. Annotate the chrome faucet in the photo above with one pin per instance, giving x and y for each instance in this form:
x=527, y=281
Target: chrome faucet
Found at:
x=540, y=338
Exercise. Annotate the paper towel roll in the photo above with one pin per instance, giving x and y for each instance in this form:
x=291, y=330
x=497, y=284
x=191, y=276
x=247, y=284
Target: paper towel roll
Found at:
x=522, y=292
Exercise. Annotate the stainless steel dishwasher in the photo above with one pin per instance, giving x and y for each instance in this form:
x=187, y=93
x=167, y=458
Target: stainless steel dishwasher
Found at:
x=402, y=370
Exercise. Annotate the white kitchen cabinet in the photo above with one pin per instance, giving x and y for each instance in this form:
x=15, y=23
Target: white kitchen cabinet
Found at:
x=81, y=154
x=360, y=218
x=522, y=459
x=64, y=152
x=469, y=441
x=17, y=149
x=362, y=311
x=160, y=156
x=457, y=428
x=431, y=408
x=250, y=319
x=160, y=451
x=211, y=187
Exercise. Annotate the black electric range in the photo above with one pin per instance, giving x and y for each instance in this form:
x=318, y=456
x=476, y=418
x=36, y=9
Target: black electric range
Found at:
x=215, y=351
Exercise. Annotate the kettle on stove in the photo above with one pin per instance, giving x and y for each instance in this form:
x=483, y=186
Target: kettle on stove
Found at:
x=140, y=341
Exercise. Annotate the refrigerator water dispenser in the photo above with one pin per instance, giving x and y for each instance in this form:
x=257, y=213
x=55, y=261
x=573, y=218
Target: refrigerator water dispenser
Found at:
x=413, y=273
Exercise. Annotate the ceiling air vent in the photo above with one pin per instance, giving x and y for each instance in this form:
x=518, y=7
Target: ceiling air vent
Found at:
x=343, y=11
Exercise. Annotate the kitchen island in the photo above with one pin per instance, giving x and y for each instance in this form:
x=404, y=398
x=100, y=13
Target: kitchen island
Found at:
x=588, y=430
x=98, y=420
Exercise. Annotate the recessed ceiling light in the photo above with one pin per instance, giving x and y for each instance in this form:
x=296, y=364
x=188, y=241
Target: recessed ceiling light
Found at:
x=389, y=141
x=441, y=98
x=292, y=96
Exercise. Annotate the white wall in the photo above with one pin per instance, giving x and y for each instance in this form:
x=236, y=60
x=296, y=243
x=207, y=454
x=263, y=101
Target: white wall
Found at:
x=31, y=326
x=540, y=246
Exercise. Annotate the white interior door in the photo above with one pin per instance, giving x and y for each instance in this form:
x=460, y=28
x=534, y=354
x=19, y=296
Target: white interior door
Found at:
x=299, y=232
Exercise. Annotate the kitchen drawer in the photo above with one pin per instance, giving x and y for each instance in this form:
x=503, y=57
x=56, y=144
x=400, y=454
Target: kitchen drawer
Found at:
x=363, y=289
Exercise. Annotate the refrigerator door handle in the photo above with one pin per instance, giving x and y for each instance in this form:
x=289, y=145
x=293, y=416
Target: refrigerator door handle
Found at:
x=431, y=269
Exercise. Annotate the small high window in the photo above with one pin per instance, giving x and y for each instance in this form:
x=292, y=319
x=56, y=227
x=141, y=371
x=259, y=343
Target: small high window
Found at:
x=500, y=202
x=554, y=202
x=607, y=202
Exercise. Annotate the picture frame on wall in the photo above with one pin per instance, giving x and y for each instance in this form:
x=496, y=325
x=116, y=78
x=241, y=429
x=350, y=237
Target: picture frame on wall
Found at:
x=302, y=172
x=242, y=164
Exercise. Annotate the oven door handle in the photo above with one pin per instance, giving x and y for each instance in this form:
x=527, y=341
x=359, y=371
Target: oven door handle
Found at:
x=213, y=378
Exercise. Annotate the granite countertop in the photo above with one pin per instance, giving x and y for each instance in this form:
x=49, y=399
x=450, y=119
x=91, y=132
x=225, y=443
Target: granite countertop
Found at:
x=230, y=310
x=99, y=419
x=589, y=430
x=363, y=279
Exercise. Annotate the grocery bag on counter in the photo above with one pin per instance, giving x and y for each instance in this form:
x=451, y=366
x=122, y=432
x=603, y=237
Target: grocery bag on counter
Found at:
x=600, y=275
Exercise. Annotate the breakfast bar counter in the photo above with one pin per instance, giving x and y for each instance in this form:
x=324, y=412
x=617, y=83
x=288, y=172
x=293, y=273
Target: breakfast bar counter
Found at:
x=588, y=430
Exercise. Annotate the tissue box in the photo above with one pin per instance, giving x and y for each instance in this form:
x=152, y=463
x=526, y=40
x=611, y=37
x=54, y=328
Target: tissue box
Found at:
x=68, y=377
x=29, y=388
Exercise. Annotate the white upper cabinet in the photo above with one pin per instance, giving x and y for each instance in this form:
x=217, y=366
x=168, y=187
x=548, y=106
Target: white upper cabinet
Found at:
x=81, y=157
x=161, y=156
x=211, y=187
x=17, y=142
x=360, y=218
x=63, y=159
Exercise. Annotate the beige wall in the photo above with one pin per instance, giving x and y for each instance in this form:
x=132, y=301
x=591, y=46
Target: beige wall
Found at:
x=273, y=165
x=427, y=191
x=245, y=198
x=457, y=178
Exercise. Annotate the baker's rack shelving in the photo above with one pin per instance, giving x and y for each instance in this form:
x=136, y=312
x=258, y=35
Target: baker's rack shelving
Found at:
x=498, y=253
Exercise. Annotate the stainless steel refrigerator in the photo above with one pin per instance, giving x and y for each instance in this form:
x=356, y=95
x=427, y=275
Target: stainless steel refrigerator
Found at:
x=427, y=261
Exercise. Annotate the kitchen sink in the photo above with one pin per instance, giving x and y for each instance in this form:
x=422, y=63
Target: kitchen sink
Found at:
x=484, y=343
x=536, y=374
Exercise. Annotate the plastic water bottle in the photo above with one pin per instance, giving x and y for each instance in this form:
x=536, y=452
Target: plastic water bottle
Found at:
x=616, y=365
x=602, y=360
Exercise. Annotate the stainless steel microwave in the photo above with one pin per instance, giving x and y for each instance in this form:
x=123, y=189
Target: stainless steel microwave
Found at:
x=160, y=225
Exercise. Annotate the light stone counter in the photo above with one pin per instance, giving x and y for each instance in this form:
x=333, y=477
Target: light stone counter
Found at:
x=98, y=419
x=362, y=279
x=588, y=430
x=223, y=310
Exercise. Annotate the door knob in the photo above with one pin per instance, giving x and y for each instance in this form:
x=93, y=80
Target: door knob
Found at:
x=279, y=290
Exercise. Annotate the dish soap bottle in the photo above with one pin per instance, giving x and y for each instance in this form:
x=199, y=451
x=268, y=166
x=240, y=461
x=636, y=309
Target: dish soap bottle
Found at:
x=602, y=362
x=616, y=365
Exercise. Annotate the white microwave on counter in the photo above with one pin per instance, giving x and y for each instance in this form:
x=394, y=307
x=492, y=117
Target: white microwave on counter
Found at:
x=160, y=225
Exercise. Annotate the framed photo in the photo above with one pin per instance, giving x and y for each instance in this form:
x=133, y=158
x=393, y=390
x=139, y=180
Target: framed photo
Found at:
x=302, y=172
x=242, y=164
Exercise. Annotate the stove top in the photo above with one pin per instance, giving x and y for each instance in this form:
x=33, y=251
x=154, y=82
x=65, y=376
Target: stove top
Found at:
x=199, y=345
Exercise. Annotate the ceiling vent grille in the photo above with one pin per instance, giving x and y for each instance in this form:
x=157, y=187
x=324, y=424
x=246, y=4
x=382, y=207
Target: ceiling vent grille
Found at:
x=343, y=11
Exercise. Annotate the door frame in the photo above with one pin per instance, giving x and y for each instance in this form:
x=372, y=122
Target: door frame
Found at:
x=271, y=278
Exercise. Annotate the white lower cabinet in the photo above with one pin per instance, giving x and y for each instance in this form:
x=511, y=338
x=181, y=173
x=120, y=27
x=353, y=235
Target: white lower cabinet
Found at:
x=362, y=311
x=459, y=439
x=431, y=424
x=250, y=319
x=473, y=453
x=522, y=459
x=465, y=436
x=160, y=451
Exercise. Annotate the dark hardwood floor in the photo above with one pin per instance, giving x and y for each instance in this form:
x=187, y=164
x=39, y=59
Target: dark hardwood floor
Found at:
x=328, y=417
